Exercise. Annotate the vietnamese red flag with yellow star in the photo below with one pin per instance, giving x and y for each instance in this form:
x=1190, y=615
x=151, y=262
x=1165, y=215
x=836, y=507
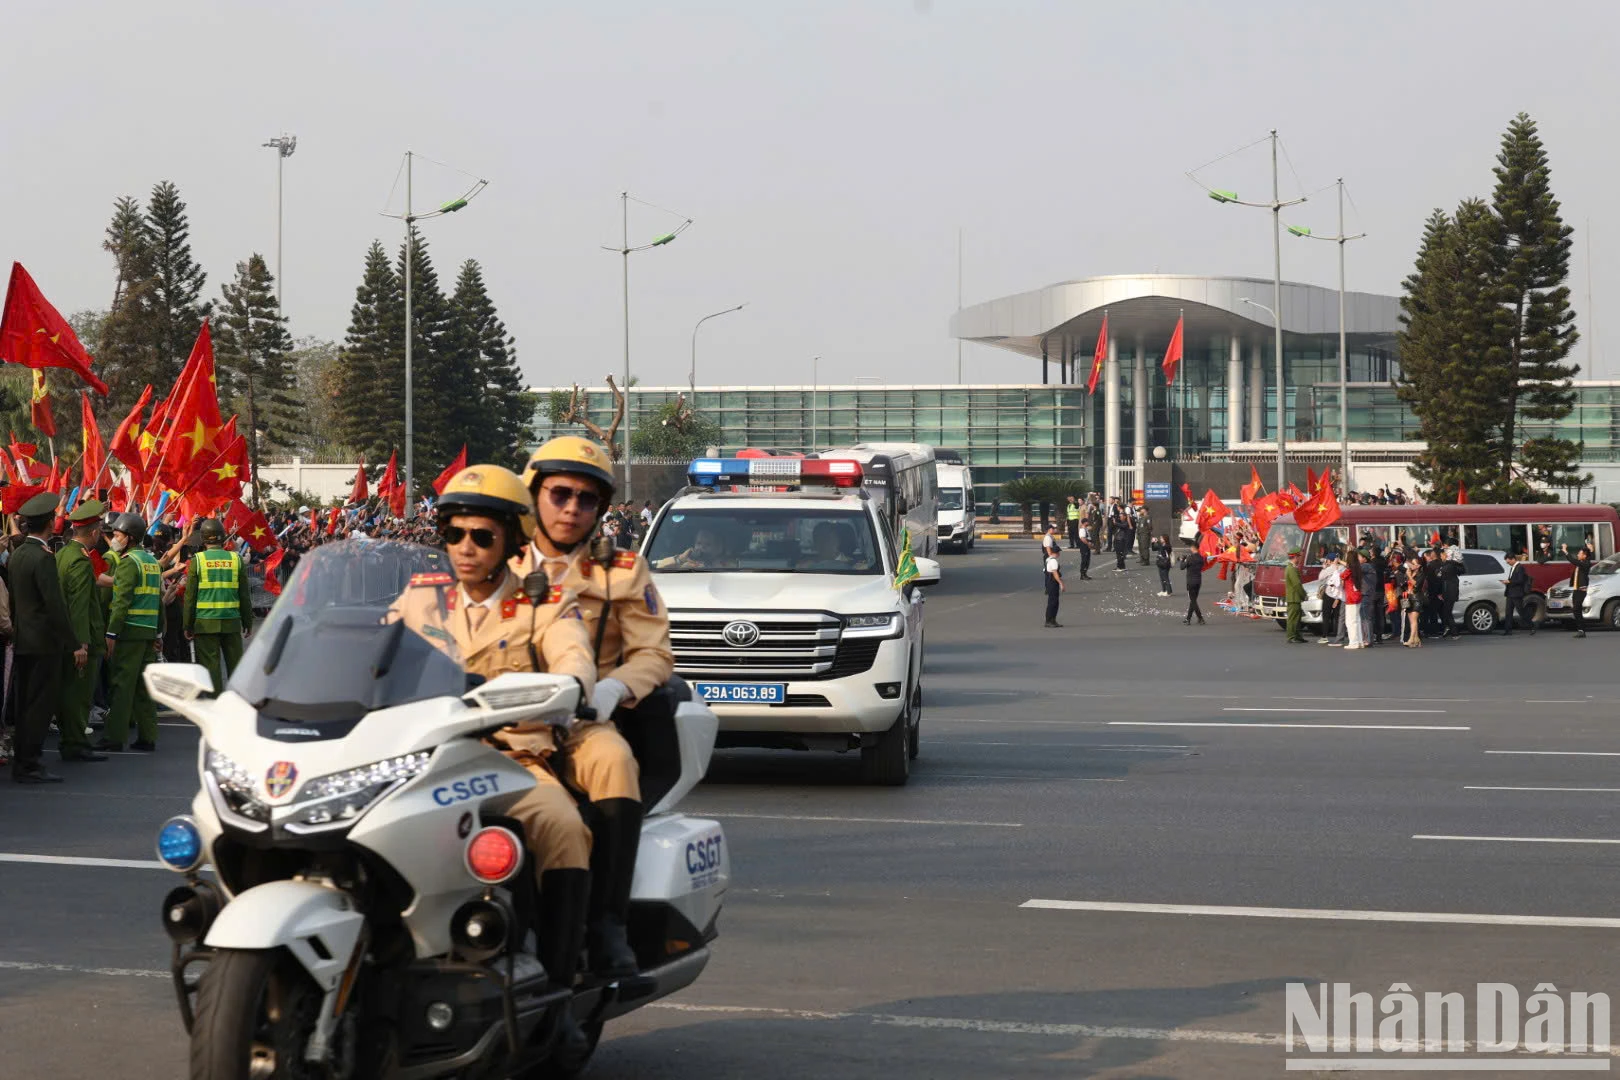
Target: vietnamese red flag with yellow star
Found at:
x=34, y=334
x=251, y=525
x=93, y=454
x=1173, y=353
x=1098, y=356
x=390, y=488
x=358, y=494
x=272, y=572
x=1268, y=508
x=192, y=439
x=222, y=478
x=1211, y=511
x=1319, y=511
x=126, y=441
x=39, y=407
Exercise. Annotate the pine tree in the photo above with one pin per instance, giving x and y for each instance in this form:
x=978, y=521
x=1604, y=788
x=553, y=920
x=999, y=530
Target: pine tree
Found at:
x=317, y=377
x=493, y=414
x=370, y=390
x=1532, y=267
x=119, y=349
x=253, y=370
x=437, y=381
x=169, y=298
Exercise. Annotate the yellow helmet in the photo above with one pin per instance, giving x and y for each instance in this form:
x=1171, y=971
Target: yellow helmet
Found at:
x=570, y=454
x=491, y=491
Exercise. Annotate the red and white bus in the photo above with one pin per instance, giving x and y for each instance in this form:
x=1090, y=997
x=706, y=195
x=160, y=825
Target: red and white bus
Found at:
x=1544, y=530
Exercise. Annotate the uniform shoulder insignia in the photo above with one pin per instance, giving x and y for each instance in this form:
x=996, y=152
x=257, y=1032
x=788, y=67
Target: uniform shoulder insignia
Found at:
x=625, y=560
x=554, y=595
x=431, y=579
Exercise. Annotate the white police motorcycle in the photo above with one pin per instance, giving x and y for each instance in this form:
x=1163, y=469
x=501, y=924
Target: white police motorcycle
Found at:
x=370, y=911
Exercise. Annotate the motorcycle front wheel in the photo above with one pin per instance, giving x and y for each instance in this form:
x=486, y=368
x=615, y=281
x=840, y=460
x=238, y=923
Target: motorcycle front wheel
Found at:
x=256, y=1010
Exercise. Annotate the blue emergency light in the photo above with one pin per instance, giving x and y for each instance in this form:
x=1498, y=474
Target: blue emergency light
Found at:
x=779, y=472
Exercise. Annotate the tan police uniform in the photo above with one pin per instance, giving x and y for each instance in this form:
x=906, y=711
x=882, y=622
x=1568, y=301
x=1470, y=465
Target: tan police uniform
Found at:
x=635, y=651
x=493, y=637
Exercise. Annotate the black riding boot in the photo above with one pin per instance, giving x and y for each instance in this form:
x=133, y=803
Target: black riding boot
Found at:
x=616, y=835
x=564, y=895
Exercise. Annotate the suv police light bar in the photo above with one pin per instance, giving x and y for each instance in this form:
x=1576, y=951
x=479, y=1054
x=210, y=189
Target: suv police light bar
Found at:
x=773, y=472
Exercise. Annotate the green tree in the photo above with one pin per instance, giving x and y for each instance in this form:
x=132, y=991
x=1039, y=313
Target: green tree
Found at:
x=438, y=381
x=253, y=372
x=1533, y=266
x=674, y=431
x=493, y=416
x=169, y=298
x=317, y=382
x=370, y=382
x=119, y=347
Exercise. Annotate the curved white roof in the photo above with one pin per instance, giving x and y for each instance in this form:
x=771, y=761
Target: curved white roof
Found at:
x=1148, y=305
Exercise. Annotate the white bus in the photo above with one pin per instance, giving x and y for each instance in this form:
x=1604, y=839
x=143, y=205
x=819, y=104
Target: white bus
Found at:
x=957, y=526
x=900, y=476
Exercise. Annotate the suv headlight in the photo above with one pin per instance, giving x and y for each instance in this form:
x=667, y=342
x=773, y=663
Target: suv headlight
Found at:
x=1559, y=590
x=339, y=798
x=886, y=625
x=233, y=789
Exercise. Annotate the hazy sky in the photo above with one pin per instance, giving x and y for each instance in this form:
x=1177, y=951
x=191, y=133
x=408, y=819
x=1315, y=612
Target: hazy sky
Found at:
x=827, y=152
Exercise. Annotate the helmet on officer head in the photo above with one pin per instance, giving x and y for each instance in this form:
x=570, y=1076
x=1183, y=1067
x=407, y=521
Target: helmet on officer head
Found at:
x=493, y=492
x=571, y=454
x=211, y=531
x=129, y=524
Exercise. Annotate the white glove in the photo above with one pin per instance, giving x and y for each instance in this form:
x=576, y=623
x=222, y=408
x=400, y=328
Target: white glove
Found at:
x=607, y=696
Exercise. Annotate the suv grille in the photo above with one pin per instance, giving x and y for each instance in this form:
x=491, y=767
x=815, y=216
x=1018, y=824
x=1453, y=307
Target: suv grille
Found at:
x=945, y=530
x=792, y=647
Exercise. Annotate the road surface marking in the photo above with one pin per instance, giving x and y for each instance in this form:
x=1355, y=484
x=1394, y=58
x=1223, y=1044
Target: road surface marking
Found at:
x=82, y=860
x=1397, y=712
x=1520, y=839
x=1260, y=724
x=1081, y=746
x=1537, y=1063
x=1555, y=701
x=1325, y=914
x=1298, y=697
x=859, y=820
x=1026, y=776
x=932, y=719
x=1482, y=787
x=1560, y=753
x=65, y=969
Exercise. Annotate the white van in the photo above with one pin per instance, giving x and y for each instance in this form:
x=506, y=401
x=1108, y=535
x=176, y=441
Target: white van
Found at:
x=958, y=526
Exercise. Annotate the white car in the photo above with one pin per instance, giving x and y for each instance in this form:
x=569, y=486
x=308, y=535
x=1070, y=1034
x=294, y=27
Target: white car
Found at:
x=784, y=615
x=1602, y=596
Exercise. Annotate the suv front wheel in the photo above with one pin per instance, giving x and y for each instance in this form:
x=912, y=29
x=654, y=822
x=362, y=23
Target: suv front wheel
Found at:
x=887, y=761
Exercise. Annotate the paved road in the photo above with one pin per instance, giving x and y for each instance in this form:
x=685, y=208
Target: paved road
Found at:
x=1171, y=799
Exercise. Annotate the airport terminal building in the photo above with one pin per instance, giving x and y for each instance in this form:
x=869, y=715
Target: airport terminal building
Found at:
x=1222, y=405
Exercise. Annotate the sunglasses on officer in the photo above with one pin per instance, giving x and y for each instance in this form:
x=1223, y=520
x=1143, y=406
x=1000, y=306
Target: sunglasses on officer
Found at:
x=561, y=495
x=455, y=534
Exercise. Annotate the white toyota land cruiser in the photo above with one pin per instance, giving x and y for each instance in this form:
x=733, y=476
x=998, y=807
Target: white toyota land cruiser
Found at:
x=784, y=616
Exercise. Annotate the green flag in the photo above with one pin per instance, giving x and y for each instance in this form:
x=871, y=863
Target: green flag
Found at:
x=905, y=570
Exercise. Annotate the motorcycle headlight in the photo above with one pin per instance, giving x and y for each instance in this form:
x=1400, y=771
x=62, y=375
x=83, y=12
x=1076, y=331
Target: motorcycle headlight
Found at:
x=233, y=789
x=872, y=626
x=339, y=798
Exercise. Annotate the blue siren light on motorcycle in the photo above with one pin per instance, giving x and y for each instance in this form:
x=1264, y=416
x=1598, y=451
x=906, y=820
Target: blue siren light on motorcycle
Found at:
x=179, y=844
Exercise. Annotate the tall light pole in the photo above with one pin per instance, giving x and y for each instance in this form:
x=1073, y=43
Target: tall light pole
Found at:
x=1275, y=206
x=283, y=145
x=624, y=249
x=1344, y=376
x=691, y=375
x=411, y=218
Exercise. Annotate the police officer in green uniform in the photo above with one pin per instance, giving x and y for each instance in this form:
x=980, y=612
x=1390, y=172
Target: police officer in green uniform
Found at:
x=219, y=603
x=134, y=626
x=82, y=668
x=43, y=637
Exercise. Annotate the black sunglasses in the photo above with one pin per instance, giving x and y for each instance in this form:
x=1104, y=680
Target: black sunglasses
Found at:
x=561, y=495
x=455, y=534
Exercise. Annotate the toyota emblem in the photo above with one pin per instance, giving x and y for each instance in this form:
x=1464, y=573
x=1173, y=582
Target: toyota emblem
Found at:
x=740, y=633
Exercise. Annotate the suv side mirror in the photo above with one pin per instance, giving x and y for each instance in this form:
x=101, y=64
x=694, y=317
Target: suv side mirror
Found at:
x=927, y=571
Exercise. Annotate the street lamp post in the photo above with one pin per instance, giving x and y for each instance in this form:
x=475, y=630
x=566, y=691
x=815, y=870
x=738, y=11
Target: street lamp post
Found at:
x=411, y=218
x=691, y=375
x=284, y=146
x=1275, y=206
x=1344, y=376
x=624, y=249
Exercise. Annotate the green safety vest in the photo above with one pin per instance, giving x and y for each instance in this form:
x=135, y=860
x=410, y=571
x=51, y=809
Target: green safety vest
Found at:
x=1074, y=512
x=143, y=608
x=218, y=581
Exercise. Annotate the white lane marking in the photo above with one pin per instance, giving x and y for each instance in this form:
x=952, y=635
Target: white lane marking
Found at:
x=1555, y=701
x=1027, y=776
x=1559, y=753
x=1326, y=914
x=82, y=860
x=1298, y=697
x=1260, y=724
x=932, y=719
x=1519, y=839
x=1081, y=746
x=859, y=820
x=1484, y=787
x=1396, y=712
x=66, y=969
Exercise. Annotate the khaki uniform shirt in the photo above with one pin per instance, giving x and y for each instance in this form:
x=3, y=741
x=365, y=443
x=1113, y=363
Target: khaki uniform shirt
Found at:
x=494, y=637
x=635, y=643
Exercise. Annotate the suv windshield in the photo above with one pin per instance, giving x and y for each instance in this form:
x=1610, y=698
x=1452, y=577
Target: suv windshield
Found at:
x=335, y=647
x=950, y=498
x=794, y=540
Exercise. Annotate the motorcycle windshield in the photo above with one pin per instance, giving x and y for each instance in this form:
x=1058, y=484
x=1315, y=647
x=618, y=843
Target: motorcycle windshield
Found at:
x=344, y=640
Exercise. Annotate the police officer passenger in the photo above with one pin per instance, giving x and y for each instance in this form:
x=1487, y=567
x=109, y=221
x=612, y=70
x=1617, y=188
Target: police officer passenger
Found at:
x=134, y=627
x=43, y=638
x=498, y=626
x=218, y=604
x=571, y=481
